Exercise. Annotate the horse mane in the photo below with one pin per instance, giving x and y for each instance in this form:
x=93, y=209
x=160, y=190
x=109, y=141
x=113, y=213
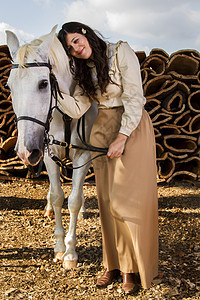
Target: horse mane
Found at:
x=57, y=56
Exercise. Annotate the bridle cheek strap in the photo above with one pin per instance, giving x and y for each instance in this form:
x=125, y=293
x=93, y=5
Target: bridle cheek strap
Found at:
x=54, y=90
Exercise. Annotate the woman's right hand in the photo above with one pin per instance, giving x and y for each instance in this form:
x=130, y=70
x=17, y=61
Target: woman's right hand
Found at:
x=116, y=148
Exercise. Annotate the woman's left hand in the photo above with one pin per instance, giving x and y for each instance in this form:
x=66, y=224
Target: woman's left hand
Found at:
x=117, y=147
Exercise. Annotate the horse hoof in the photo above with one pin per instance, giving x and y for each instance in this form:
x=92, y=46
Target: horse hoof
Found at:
x=49, y=214
x=69, y=264
x=58, y=256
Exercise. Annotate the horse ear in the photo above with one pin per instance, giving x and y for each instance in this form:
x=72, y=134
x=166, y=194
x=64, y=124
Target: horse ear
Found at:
x=12, y=42
x=43, y=49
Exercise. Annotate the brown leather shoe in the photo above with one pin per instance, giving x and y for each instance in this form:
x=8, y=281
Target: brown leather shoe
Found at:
x=129, y=283
x=107, y=278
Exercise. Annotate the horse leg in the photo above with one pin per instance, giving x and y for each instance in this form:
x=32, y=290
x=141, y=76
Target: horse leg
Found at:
x=48, y=210
x=74, y=204
x=56, y=199
x=82, y=213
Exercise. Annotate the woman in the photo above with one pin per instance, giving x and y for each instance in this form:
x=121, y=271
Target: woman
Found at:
x=109, y=74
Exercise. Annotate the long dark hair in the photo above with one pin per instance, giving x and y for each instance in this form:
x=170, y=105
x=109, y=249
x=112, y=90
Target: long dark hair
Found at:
x=79, y=67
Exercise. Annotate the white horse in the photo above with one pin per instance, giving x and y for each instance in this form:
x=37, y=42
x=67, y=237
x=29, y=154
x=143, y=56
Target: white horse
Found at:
x=31, y=97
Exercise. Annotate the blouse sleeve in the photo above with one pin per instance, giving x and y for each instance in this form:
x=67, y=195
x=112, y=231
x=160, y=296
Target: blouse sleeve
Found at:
x=132, y=91
x=75, y=106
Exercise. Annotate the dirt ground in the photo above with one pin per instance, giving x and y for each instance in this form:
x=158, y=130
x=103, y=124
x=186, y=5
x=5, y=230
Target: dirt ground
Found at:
x=27, y=269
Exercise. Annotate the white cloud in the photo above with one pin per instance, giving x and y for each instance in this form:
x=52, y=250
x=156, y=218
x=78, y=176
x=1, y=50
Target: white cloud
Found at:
x=22, y=36
x=42, y=1
x=197, y=41
x=86, y=12
x=166, y=23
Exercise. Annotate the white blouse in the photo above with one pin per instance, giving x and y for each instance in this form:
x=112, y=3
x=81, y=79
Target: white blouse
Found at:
x=124, y=70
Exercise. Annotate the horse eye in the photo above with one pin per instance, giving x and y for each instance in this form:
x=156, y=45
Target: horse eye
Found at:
x=43, y=84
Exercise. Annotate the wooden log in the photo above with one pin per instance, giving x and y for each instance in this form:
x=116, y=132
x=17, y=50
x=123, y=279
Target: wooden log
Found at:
x=183, y=120
x=166, y=167
x=163, y=86
x=5, y=106
x=174, y=103
x=7, y=148
x=159, y=86
x=160, y=152
x=157, y=133
x=152, y=105
x=146, y=75
x=182, y=64
x=178, y=156
x=190, y=52
x=4, y=50
x=194, y=125
x=160, y=52
x=161, y=118
x=180, y=143
x=169, y=129
x=3, y=86
x=182, y=175
x=156, y=63
x=190, y=164
x=141, y=55
x=194, y=101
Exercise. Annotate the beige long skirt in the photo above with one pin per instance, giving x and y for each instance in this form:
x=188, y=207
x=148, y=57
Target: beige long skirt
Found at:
x=127, y=197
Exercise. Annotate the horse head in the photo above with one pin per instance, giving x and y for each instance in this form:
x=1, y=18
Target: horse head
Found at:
x=31, y=90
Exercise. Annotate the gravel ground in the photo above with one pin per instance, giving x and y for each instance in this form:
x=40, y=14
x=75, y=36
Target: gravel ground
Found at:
x=27, y=269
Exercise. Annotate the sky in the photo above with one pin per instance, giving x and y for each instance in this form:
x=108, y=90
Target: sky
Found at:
x=171, y=25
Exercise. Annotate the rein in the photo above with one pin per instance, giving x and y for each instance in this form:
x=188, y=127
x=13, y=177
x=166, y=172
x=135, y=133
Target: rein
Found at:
x=49, y=139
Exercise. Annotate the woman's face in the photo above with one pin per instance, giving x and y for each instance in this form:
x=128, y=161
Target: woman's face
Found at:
x=78, y=45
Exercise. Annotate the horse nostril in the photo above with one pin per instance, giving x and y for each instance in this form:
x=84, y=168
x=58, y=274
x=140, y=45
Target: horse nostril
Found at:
x=35, y=156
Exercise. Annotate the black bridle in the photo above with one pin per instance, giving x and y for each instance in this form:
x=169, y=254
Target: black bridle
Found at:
x=49, y=140
x=54, y=91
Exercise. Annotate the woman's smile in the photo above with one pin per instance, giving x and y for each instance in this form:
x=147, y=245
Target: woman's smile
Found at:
x=78, y=45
